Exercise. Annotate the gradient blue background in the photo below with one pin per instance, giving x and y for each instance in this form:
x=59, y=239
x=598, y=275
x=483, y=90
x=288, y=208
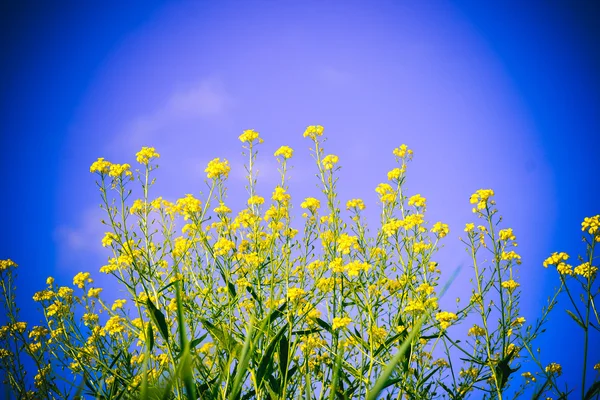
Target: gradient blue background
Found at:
x=503, y=96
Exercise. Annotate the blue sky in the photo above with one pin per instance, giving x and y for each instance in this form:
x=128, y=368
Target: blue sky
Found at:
x=503, y=96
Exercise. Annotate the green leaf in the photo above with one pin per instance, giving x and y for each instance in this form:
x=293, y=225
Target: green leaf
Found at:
x=389, y=368
x=284, y=348
x=159, y=320
x=227, y=341
x=166, y=287
x=197, y=341
x=267, y=357
x=592, y=391
x=576, y=319
x=323, y=324
x=277, y=313
x=114, y=361
x=242, y=367
x=150, y=337
x=503, y=369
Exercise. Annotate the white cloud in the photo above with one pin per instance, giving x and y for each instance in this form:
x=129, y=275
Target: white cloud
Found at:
x=75, y=244
x=335, y=76
x=200, y=101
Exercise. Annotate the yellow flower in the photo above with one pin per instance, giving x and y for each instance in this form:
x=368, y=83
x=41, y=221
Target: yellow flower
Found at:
x=217, y=169
x=591, y=224
x=188, y=206
x=329, y=161
x=346, y=242
x=555, y=259
x=6, y=264
x=419, y=247
x=554, y=368
x=223, y=246
x=441, y=229
x=377, y=334
x=586, y=270
x=310, y=203
x=476, y=330
x=145, y=155
x=94, y=292
x=480, y=198
x=445, y=318
x=37, y=332
x=256, y=200
x=417, y=200
x=342, y=322
x=469, y=227
x=205, y=349
x=412, y=221
x=313, y=131
x=511, y=255
x=336, y=265
x=395, y=173
x=101, y=166
x=510, y=285
x=402, y=151
x=249, y=135
x=564, y=269
x=284, y=151
x=90, y=319
x=114, y=325
x=325, y=285
x=507, y=234
x=356, y=204
x=294, y=293
x=391, y=227
x=386, y=193
x=222, y=209
x=108, y=239
x=529, y=376
x=137, y=206
x=354, y=267
x=597, y=367
x=117, y=170
x=81, y=279
x=118, y=304
x=280, y=195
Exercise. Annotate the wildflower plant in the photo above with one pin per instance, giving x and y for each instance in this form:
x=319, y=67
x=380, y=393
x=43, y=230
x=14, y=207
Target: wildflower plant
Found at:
x=253, y=305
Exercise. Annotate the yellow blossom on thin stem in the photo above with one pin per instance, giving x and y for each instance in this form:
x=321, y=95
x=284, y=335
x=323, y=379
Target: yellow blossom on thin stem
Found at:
x=145, y=155
x=100, y=166
x=355, y=204
x=249, y=135
x=285, y=152
x=480, y=198
x=217, y=169
x=445, y=318
x=310, y=203
x=6, y=264
x=586, y=270
x=81, y=279
x=507, y=234
x=555, y=259
x=417, y=200
x=402, y=151
x=340, y=323
x=441, y=229
x=510, y=285
x=313, y=131
x=554, y=368
x=329, y=161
